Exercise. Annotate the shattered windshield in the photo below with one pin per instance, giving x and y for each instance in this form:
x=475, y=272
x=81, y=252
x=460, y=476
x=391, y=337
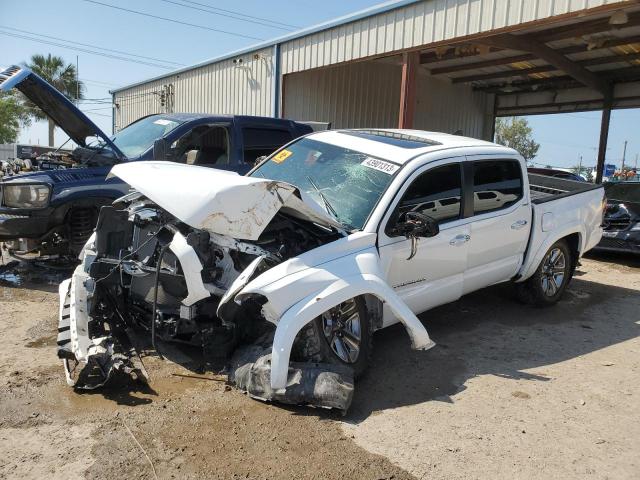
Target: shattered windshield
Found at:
x=139, y=137
x=345, y=183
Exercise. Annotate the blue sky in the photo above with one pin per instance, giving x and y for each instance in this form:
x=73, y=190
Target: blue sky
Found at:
x=563, y=137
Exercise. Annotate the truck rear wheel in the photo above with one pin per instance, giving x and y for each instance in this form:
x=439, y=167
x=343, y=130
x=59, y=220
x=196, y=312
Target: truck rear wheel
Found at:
x=342, y=335
x=548, y=283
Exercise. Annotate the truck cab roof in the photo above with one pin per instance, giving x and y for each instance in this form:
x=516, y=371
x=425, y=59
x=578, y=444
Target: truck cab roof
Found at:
x=401, y=146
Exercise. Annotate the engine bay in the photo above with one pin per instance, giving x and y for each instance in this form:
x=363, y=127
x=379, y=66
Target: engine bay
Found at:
x=137, y=277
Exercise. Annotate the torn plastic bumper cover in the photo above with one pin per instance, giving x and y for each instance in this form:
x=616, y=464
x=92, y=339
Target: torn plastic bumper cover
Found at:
x=319, y=384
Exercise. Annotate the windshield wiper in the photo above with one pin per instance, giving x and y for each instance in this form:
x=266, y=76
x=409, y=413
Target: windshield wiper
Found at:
x=327, y=205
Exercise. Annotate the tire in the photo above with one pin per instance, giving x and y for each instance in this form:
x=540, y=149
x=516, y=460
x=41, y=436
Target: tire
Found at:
x=323, y=340
x=546, y=286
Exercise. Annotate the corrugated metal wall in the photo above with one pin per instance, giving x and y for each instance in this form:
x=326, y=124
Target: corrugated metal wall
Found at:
x=138, y=102
x=448, y=108
x=223, y=88
x=367, y=94
x=419, y=24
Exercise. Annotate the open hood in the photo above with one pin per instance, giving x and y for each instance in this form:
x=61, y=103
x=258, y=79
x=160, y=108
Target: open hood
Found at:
x=55, y=105
x=219, y=201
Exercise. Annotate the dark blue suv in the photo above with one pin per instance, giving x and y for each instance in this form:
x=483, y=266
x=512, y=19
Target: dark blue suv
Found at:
x=54, y=212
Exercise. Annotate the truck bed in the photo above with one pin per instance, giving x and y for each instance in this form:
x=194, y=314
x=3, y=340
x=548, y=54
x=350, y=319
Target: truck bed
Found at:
x=561, y=208
x=544, y=189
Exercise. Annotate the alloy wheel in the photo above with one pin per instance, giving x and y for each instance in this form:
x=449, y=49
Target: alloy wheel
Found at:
x=553, y=272
x=342, y=330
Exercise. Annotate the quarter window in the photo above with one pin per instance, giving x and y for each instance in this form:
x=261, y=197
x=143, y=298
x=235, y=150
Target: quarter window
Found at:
x=436, y=193
x=497, y=184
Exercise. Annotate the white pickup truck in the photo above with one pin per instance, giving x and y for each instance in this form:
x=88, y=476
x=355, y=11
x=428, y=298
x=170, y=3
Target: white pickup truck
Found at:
x=334, y=236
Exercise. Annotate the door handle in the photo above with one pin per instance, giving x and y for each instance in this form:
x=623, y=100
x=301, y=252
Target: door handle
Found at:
x=518, y=225
x=459, y=239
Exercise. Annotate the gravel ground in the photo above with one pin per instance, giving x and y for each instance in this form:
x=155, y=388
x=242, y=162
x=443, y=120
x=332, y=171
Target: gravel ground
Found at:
x=509, y=392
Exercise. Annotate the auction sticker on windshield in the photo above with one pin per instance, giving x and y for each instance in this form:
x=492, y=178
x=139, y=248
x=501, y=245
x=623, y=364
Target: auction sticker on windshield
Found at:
x=380, y=165
x=282, y=156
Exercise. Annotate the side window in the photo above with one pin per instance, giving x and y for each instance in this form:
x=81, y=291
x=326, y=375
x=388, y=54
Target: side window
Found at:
x=263, y=141
x=497, y=184
x=204, y=145
x=436, y=193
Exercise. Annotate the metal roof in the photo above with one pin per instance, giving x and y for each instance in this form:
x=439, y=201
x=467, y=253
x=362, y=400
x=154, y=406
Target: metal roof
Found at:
x=352, y=17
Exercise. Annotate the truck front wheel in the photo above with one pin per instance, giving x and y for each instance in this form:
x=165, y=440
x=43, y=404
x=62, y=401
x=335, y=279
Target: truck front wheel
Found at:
x=547, y=284
x=342, y=335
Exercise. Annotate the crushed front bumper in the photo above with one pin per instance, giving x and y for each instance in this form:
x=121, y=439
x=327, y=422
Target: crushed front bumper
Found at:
x=89, y=362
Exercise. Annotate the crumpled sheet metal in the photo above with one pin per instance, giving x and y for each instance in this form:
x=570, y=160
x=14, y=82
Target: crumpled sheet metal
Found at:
x=321, y=385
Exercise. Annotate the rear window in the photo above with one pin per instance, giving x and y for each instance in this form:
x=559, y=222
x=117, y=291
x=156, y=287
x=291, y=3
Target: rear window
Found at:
x=263, y=141
x=497, y=184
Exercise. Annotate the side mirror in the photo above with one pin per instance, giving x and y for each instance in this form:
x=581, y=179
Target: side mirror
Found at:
x=160, y=149
x=416, y=224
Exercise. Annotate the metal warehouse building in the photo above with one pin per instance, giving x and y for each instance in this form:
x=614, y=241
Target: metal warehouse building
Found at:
x=445, y=65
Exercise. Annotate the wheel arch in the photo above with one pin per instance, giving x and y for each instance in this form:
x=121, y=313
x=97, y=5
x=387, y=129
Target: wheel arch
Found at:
x=574, y=235
x=306, y=310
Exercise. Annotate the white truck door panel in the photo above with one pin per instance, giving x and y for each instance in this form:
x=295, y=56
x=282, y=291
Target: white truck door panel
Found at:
x=501, y=222
x=435, y=274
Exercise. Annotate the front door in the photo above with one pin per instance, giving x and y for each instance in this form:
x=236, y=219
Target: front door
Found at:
x=434, y=274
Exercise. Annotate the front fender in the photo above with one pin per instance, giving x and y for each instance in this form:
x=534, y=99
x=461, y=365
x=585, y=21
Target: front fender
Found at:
x=337, y=292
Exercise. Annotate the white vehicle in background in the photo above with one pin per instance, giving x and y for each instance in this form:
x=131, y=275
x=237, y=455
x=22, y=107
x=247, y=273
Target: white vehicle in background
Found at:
x=336, y=235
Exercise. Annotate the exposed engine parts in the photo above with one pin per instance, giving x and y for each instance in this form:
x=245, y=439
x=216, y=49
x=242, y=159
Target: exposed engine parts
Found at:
x=134, y=279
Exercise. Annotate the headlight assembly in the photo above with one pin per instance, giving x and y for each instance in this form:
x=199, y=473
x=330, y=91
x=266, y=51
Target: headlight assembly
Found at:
x=636, y=227
x=26, y=196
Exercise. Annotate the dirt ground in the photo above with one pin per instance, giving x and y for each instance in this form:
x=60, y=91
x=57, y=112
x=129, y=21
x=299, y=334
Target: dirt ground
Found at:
x=509, y=392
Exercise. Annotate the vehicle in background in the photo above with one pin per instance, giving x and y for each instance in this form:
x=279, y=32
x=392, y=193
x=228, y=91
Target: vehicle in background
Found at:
x=54, y=211
x=622, y=218
x=553, y=172
x=336, y=235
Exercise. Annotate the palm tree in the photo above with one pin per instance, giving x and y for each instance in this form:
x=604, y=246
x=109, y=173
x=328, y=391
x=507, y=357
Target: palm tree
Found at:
x=61, y=76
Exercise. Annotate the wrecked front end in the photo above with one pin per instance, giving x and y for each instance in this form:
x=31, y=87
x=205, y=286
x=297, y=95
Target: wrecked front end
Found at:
x=147, y=274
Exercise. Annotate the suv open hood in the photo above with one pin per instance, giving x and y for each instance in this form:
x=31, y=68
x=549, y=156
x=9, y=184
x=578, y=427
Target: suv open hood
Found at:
x=55, y=105
x=219, y=201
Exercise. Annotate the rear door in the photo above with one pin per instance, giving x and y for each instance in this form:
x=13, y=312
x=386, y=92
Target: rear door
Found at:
x=501, y=220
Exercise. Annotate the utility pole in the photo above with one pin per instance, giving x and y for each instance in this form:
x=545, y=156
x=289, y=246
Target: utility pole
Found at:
x=624, y=154
x=77, y=81
x=635, y=167
x=580, y=166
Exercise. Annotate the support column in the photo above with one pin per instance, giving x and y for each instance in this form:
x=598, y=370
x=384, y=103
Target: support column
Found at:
x=410, y=64
x=604, y=137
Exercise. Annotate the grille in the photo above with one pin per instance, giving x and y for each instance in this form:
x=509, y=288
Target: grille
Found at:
x=621, y=223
